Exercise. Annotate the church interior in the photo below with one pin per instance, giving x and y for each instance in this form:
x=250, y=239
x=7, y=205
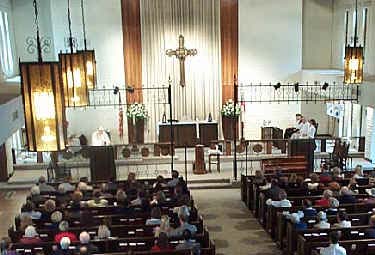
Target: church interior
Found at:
x=187, y=127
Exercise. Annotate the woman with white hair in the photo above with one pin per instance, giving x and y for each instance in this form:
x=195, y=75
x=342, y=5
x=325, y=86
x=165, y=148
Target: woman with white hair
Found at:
x=31, y=236
x=84, y=239
x=64, y=247
x=333, y=206
x=56, y=218
x=35, y=196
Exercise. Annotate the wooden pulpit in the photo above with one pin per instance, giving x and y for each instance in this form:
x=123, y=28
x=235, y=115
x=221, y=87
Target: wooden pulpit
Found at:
x=102, y=163
x=199, y=166
x=303, y=147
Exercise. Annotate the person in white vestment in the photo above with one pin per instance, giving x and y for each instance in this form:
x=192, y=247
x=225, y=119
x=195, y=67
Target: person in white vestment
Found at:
x=304, y=129
x=312, y=128
x=100, y=138
x=334, y=248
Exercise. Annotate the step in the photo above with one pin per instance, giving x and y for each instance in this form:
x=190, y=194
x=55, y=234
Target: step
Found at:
x=196, y=186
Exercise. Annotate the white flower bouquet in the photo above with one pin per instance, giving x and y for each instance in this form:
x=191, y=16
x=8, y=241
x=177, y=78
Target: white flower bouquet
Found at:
x=231, y=110
x=137, y=111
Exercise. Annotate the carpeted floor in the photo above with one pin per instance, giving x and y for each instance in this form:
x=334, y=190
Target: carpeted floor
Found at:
x=231, y=225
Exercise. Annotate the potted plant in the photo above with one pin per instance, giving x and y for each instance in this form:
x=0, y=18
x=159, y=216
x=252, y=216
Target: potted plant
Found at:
x=230, y=113
x=137, y=114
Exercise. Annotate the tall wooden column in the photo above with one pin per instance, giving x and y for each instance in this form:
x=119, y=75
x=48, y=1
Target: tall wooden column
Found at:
x=229, y=46
x=132, y=40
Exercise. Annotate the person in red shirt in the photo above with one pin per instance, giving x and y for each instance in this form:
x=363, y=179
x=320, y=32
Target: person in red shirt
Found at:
x=162, y=243
x=31, y=236
x=324, y=202
x=63, y=227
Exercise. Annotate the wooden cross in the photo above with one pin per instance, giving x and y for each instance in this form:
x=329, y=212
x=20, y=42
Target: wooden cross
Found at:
x=181, y=53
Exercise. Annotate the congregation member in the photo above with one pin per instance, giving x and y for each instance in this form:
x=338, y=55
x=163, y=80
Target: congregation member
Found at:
x=184, y=225
x=322, y=221
x=48, y=208
x=43, y=186
x=103, y=229
x=6, y=247
x=30, y=236
x=84, y=239
x=296, y=219
x=29, y=209
x=64, y=232
x=189, y=244
x=259, y=178
x=172, y=183
x=64, y=247
x=333, y=206
x=35, y=196
x=343, y=220
x=162, y=244
x=56, y=218
x=324, y=202
x=282, y=202
x=358, y=172
x=155, y=217
x=336, y=174
x=370, y=232
x=66, y=186
x=97, y=200
x=346, y=196
x=309, y=210
x=334, y=248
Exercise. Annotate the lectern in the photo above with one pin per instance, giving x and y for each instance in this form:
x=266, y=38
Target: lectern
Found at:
x=303, y=147
x=102, y=163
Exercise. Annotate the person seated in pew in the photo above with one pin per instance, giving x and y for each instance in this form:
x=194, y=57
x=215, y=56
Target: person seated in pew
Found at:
x=334, y=248
x=358, y=172
x=75, y=204
x=97, y=201
x=158, y=199
x=155, y=217
x=28, y=209
x=83, y=186
x=64, y=232
x=105, y=192
x=159, y=184
x=84, y=239
x=162, y=244
x=322, y=218
x=62, y=196
x=324, y=202
x=335, y=187
x=274, y=191
x=312, y=183
x=184, y=225
x=353, y=186
x=336, y=174
x=64, y=247
x=333, y=206
x=66, y=186
x=122, y=203
x=83, y=250
x=141, y=201
x=325, y=176
x=35, y=196
x=48, y=208
x=346, y=196
x=131, y=183
x=370, y=232
x=295, y=218
x=103, y=230
x=31, y=236
x=43, y=186
x=282, y=202
x=292, y=181
x=308, y=210
x=25, y=220
x=164, y=226
x=56, y=218
x=172, y=183
x=189, y=244
x=6, y=247
x=180, y=195
x=343, y=220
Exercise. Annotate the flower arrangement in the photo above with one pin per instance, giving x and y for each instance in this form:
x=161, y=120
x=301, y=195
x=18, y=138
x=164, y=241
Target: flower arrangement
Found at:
x=137, y=111
x=231, y=110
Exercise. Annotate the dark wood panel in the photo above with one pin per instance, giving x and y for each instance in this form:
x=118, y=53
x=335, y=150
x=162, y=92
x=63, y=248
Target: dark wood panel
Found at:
x=102, y=163
x=131, y=28
x=229, y=46
x=208, y=132
x=184, y=134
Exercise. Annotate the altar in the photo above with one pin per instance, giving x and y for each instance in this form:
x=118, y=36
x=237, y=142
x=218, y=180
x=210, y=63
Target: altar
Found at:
x=189, y=133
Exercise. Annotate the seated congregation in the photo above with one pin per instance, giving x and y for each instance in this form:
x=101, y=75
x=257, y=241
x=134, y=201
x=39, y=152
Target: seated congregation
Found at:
x=125, y=217
x=326, y=212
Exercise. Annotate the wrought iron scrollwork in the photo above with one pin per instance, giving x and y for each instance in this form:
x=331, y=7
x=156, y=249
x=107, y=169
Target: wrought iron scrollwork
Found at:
x=31, y=44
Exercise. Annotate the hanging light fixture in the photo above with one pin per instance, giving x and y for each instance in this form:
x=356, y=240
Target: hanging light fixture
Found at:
x=43, y=101
x=353, y=67
x=89, y=55
x=74, y=73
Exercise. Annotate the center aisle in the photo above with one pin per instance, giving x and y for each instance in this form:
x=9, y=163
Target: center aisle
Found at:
x=231, y=225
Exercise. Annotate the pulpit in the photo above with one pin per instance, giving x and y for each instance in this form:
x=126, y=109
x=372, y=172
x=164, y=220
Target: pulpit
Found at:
x=199, y=166
x=303, y=147
x=102, y=163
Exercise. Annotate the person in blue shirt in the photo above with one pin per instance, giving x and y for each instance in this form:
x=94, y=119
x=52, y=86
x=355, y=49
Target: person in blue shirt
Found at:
x=309, y=211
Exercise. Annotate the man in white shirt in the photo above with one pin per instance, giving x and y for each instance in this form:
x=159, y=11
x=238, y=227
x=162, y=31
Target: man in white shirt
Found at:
x=334, y=248
x=304, y=128
x=100, y=138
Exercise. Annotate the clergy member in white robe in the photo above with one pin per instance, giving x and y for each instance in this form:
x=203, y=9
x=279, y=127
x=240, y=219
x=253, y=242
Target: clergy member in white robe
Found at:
x=100, y=138
x=304, y=129
x=312, y=129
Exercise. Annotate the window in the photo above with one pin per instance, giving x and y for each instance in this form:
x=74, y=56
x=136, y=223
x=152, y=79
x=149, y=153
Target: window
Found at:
x=6, y=54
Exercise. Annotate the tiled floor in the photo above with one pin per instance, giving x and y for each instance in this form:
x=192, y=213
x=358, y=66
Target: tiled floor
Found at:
x=10, y=205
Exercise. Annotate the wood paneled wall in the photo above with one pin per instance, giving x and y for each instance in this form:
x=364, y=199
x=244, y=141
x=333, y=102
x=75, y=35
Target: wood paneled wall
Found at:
x=131, y=28
x=229, y=46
